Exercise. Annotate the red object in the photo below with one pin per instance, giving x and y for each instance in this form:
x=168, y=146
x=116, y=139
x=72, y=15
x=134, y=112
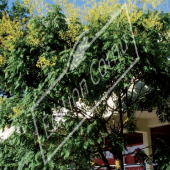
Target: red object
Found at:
x=100, y=162
x=135, y=168
x=129, y=159
x=111, y=161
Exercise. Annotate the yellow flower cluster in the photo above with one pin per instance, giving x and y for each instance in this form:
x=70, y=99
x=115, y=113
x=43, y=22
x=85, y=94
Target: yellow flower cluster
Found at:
x=72, y=33
x=72, y=13
x=153, y=21
x=93, y=11
x=10, y=31
x=2, y=59
x=134, y=16
x=29, y=6
x=42, y=62
x=37, y=7
x=2, y=99
x=32, y=37
x=17, y=111
x=153, y=3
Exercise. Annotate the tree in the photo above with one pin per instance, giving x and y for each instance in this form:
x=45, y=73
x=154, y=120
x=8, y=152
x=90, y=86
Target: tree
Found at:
x=41, y=54
x=161, y=154
x=3, y=7
x=19, y=11
x=12, y=27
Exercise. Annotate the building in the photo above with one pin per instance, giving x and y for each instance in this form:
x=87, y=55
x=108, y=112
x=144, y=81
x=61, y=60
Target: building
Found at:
x=149, y=128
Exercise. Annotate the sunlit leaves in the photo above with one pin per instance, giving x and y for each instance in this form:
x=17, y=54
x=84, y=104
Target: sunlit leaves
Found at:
x=35, y=52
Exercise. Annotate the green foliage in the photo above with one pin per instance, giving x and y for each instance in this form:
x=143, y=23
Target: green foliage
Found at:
x=141, y=157
x=3, y=6
x=18, y=10
x=31, y=68
x=161, y=154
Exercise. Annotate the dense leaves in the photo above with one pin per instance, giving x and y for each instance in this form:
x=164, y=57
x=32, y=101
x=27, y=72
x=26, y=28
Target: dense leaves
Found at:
x=40, y=50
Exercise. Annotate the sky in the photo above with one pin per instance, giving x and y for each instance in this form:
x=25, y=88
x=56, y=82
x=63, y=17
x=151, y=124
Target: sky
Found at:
x=79, y=2
x=49, y=1
x=166, y=7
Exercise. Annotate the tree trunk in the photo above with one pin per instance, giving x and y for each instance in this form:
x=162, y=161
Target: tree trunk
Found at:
x=104, y=158
x=119, y=156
